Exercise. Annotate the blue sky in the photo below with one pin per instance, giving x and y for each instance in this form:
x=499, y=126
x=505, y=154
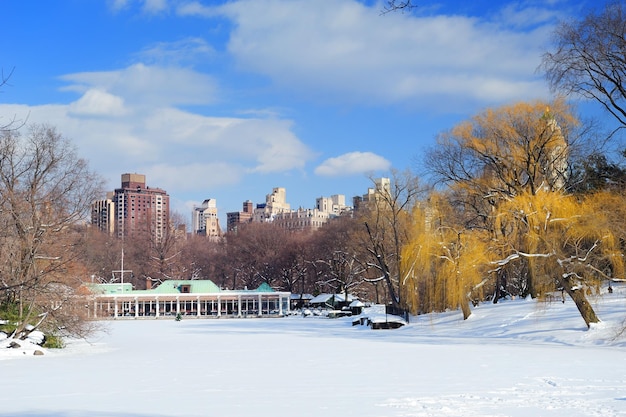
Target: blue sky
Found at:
x=227, y=100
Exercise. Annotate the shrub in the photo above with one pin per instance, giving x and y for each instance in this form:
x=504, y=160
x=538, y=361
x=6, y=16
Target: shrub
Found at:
x=53, y=342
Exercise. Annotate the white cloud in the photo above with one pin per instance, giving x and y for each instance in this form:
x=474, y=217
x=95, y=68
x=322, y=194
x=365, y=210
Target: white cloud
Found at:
x=352, y=163
x=194, y=8
x=127, y=121
x=197, y=176
x=117, y=5
x=261, y=145
x=274, y=146
x=150, y=85
x=147, y=6
x=178, y=52
x=345, y=50
x=524, y=15
x=96, y=102
x=154, y=6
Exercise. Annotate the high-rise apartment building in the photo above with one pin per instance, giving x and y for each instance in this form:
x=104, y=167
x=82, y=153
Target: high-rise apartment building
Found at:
x=233, y=219
x=382, y=187
x=335, y=205
x=275, y=203
x=301, y=219
x=141, y=210
x=103, y=214
x=204, y=219
x=133, y=210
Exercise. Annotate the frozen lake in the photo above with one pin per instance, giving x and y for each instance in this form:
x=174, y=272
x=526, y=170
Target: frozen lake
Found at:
x=519, y=358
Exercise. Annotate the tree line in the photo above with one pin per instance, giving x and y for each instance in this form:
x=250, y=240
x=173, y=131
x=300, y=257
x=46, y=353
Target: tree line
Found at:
x=519, y=200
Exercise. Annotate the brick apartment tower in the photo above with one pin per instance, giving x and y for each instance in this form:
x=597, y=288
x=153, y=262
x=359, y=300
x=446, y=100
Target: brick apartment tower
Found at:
x=140, y=210
x=235, y=218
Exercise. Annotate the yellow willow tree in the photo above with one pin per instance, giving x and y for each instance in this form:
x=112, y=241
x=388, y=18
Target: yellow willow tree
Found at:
x=567, y=242
x=447, y=265
x=500, y=153
x=612, y=205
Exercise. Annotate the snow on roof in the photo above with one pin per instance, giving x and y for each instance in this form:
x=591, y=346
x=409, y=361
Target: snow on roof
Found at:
x=324, y=298
x=109, y=288
x=301, y=296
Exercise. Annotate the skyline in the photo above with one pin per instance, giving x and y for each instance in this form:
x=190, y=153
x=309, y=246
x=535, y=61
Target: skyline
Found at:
x=228, y=100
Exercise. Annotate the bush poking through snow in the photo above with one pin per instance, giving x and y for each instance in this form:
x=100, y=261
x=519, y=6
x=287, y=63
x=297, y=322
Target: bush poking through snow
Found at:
x=53, y=342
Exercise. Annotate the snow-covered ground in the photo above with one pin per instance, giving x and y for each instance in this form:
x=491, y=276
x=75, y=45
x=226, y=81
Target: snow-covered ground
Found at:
x=517, y=358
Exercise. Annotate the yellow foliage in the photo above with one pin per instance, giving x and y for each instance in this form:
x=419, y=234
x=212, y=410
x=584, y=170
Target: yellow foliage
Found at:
x=561, y=233
x=513, y=149
x=444, y=264
x=447, y=265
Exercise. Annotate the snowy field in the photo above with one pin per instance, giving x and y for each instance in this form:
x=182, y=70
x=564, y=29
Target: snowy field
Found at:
x=518, y=358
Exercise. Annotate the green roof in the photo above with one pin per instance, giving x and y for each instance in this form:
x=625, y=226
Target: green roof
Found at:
x=114, y=288
x=195, y=286
x=176, y=287
x=265, y=287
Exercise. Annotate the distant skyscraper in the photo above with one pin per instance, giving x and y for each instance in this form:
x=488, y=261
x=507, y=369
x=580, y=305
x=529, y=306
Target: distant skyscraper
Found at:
x=334, y=205
x=204, y=219
x=235, y=218
x=558, y=155
x=139, y=209
x=103, y=214
x=382, y=186
x=275, y=203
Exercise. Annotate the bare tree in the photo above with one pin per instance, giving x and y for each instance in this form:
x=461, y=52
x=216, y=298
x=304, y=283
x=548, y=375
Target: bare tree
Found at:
x=398, y=5
x=387, y=221
x=203, y=258
x=45, y=190
x=100, y=254
x=255, y=252
x=293, y=261
x=340, y=261
x=165, y=250
x=13, y=123
x=589, y=59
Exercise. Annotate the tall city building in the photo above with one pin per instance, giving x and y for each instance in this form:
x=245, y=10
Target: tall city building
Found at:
x=558, y=155
x=382, y=187
x=103, y=214
x=139, y=209
x=301, y=219
x=235, y=218
x=204, y=219
x=326, y=208
x=335, y=205
x=275, y=203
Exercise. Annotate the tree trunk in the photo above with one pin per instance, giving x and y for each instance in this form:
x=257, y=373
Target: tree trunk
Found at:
x=500, y=280
x=387, y=278
x=530, y=281
x=465, y=308
x=378, y=253
x=584, y=308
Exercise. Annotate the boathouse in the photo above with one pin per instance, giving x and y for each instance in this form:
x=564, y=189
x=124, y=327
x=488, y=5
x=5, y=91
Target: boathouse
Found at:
x=191, y=298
